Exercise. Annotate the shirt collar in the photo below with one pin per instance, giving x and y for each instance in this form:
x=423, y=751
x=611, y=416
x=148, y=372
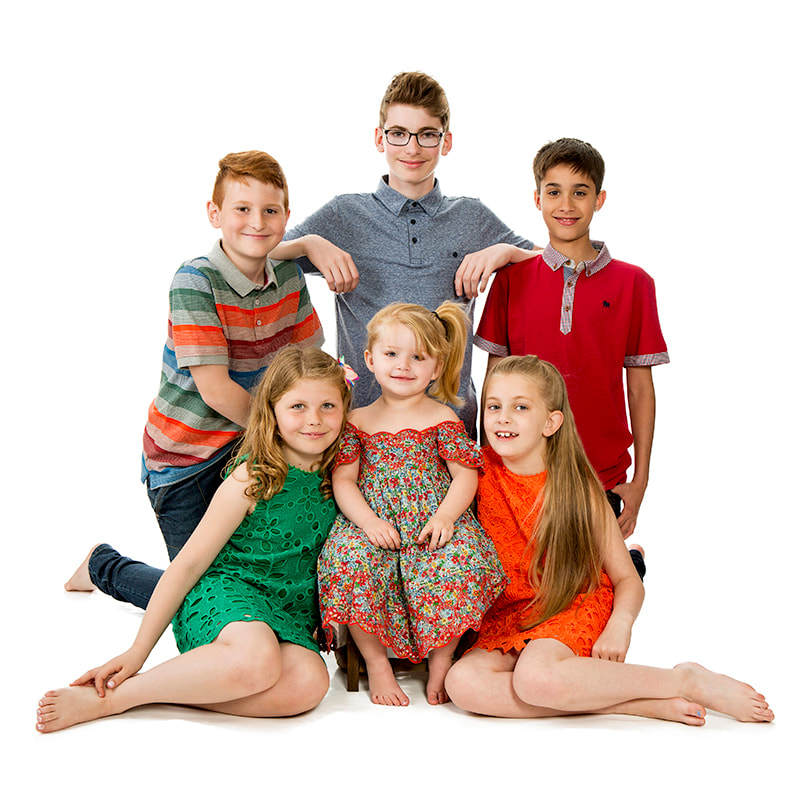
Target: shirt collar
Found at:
x=396, y=202
x=556, y=260
x=239, y=282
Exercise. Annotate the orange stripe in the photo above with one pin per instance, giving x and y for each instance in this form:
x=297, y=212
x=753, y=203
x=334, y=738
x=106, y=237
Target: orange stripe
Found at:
x=177, y=431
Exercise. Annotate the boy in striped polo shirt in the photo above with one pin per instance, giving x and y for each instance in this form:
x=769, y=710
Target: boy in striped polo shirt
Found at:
x=230, y=313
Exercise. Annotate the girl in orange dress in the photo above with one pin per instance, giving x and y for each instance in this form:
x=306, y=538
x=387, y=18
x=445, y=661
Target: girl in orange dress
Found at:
x=555, y=641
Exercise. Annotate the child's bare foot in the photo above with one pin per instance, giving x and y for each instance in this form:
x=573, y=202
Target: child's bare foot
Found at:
x=384, y=689
x=672, y=709
x=721, y=693
x=80, y=580
x=439, y=664
x=63, y=708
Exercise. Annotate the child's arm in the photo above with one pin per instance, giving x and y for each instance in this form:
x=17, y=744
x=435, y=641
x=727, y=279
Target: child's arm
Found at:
x=221, y=393
x=613, y=642
x=353, y=505
x=642, y=410
x=335, y=265
x=475, y=270
x=460, y=494
x=225, y=513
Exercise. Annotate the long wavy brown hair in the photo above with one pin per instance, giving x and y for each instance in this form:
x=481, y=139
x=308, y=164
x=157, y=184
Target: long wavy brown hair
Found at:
x=260, y=447
x=442, y=334
x=566, y=558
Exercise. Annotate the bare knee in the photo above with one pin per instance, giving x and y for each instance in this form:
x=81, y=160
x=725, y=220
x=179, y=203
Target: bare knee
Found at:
x=541, y=686
x=462, y=685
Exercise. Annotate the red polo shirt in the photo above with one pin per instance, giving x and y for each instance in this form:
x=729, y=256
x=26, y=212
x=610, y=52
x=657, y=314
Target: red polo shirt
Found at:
x=590, y=327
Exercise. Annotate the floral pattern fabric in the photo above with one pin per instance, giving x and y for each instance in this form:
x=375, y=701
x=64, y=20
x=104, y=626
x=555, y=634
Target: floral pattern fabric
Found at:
x=412, y=599
x=505, y=508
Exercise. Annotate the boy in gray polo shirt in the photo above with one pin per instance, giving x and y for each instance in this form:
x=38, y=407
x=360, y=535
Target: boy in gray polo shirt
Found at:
x=406, y=241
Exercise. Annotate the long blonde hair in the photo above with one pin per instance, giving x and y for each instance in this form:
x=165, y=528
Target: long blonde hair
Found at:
x=566, y=558
x=260, y=446
x=442, y=334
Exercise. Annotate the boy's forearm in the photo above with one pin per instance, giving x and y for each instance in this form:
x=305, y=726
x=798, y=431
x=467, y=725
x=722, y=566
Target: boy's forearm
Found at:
x=642, y=410
x=290, y=249
x=221, y=393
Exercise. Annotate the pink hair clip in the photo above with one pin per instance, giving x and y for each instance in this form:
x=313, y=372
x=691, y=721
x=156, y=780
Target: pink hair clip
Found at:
x=350, y=375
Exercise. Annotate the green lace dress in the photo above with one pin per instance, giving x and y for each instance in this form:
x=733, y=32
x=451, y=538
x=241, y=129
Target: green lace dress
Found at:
x=267, y=570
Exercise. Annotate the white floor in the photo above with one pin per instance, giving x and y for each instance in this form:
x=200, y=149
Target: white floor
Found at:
x=347, y=744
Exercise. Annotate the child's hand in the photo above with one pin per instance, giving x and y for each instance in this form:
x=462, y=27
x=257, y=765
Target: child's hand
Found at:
x=383, y=534
x=439, y=530
x=613, y=642
x=112, y=673
x=335, y=264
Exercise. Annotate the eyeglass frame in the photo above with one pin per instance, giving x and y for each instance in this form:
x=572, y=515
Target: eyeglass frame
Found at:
x=416, y=135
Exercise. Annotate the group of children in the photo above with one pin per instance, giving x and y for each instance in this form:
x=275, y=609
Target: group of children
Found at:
x=265, y=565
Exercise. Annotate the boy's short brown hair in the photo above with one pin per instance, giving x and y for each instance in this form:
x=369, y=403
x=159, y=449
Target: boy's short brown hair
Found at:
x=249, y=164
x=581, y=156
x=416, y=89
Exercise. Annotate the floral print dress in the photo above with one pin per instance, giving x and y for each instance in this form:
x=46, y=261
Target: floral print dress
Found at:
x=412, y=599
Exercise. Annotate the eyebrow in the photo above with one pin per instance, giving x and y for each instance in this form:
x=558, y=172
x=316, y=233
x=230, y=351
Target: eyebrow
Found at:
x=573, y=185
x=423, y=129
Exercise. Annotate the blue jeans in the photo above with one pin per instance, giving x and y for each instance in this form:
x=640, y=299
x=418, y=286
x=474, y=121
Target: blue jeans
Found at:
x=179, y=508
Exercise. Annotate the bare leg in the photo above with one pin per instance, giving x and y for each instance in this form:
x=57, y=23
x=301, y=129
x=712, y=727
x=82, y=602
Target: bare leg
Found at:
x=383, y=686
x=244, y=660
x=302, y=685
x=482, y=682
x=80, y=580
x=440, y=659
x=547, y=681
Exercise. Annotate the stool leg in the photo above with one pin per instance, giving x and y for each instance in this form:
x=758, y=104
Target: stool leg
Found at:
x=352, y=665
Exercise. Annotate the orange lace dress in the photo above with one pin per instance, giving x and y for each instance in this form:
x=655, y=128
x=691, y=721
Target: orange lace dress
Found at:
x=505, y=506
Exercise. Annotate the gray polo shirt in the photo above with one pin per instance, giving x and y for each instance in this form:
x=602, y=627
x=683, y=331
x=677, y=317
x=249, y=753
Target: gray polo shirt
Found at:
x=407, y=251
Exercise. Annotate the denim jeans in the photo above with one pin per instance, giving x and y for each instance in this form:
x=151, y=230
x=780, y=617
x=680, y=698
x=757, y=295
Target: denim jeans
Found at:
x=179, y=507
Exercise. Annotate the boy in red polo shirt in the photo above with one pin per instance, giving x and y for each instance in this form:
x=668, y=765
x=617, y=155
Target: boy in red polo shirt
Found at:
x=592, y=316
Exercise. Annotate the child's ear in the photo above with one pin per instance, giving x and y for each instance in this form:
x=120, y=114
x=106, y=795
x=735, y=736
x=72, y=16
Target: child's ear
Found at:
x=538, y=200
x=368, y=360
x=213, y=213
x=553, y=423
x=379, y=139
x=601, y=198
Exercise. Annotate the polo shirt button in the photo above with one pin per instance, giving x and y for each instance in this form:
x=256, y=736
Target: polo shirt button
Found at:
x=414, y=239
x=413, y=222
x=258, y=322
x=566, y=308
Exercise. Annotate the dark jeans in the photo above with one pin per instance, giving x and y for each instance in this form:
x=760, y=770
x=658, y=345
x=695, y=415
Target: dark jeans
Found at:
x=179, y=508
x=638, y=559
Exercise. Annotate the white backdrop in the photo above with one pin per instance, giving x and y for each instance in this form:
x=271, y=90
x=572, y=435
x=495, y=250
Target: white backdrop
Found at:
x=115, y=117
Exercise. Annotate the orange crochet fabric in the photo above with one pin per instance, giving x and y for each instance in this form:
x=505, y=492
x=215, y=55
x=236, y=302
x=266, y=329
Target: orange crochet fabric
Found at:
x=505, y=504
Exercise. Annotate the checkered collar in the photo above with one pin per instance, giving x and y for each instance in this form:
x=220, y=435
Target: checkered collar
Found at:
x=556, y=260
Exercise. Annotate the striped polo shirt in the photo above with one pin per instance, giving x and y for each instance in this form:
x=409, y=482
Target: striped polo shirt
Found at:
x=219, y=316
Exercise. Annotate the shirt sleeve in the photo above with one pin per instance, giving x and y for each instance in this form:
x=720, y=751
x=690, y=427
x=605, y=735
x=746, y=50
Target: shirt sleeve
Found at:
x=350, y=447
x=324, y=222
x=455, y=445
x=195, y=328
x=307, y=331
x=645, y=346
x=495, y=231
x=492, y=333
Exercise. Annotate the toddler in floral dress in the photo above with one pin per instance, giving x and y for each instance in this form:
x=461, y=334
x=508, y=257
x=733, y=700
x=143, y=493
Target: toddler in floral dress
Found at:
x=406, y=565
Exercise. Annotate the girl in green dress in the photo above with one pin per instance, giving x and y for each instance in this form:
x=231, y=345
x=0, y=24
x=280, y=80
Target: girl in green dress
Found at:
x=241, y=594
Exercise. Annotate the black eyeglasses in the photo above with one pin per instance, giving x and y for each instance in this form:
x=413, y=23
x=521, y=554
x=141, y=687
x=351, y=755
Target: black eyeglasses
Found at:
x=424, y=138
